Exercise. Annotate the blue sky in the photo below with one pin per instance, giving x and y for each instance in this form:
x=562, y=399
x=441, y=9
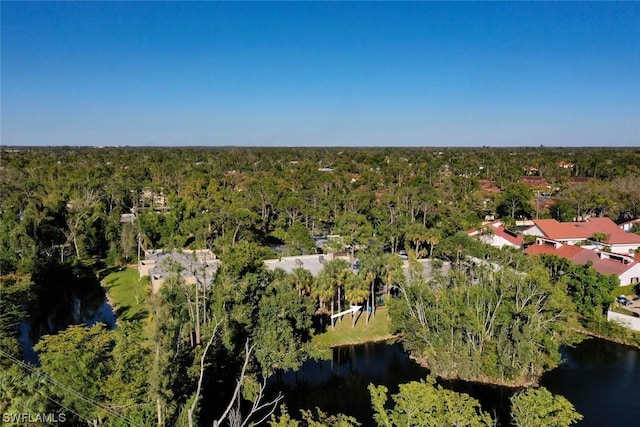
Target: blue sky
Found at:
x=320, y=74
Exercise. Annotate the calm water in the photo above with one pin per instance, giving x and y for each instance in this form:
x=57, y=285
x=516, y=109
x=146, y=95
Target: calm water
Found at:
x=600, y=378
x=67, y=300
x=340, y=385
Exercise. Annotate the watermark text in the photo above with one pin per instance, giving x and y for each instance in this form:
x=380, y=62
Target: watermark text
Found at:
x=33, y=418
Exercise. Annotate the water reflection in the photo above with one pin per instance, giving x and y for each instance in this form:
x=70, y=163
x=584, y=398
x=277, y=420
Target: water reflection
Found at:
x=340, y=384
x=600, y=378
x=64, y=296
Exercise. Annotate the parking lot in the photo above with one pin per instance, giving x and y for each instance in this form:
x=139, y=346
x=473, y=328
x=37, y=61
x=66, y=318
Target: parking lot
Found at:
x=635, y=304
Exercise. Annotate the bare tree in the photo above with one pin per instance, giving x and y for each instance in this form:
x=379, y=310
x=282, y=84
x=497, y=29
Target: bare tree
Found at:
x=232, y=412
x=199, y=388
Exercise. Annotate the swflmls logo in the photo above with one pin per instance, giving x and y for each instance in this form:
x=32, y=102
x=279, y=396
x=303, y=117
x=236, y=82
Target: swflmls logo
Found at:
x=34, y=418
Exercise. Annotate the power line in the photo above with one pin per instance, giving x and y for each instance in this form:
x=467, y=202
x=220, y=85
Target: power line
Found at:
x=54, y=382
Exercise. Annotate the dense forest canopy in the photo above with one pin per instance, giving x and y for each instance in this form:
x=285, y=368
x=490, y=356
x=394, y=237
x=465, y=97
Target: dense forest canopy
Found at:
x=67, y=201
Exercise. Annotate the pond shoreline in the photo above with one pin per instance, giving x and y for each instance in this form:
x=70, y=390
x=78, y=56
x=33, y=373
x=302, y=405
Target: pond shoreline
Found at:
x=620, y=341
x=390, y=337
x=515, y=385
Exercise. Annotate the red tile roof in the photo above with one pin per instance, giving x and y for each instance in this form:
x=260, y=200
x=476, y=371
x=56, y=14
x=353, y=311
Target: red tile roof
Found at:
x=535, y=181
x=564, y=251
x=609, y=266
x=488, y=186
x=509, y=236
x=500, y=231
x=584, y=230
x=578, y=255
x=584, y=256
x=575, y=180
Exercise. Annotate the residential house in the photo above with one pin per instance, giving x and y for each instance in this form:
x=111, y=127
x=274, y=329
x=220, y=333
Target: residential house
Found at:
x=626, y=268
x=495, y=234
x=566, y=165
x=628, y=226
x=582, y=232
x=537, y=183
x=194, y=265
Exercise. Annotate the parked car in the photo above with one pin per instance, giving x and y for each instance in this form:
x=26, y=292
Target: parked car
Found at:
x=403, y=254
x=622, y=300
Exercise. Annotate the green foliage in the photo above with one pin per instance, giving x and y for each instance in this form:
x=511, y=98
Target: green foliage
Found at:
x=282, y=330
x=456, y=247
x=426, y=404
x=481, y=323
x=128, y=377
x=161, y=332
x=299, y=240
x=601, y=326
x=24, y=391
x=537, y=407
x=599, y=237
x=15, y=293
x=591, y=292
x=284, y=420
x=315, y=418
x=516, y=201
x=79, y=360
x=60, y=210
x=243, y=259
x=562, y=211
x=354, y=228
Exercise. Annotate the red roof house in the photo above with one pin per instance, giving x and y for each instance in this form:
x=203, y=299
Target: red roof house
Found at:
x=571, y=233
x=626, y=268
x=495, y=234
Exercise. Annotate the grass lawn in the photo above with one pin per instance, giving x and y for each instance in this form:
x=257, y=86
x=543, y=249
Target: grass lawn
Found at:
x=127, y=293
x=344, y=334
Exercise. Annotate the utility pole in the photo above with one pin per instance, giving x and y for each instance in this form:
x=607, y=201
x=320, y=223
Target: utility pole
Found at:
x=138, y=238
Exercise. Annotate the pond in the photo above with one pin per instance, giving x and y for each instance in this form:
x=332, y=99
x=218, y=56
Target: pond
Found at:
x=67, y=297
x=602, y=380
x=599, y=377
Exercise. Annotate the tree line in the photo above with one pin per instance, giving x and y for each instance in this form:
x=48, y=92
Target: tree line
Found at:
x=67, y=202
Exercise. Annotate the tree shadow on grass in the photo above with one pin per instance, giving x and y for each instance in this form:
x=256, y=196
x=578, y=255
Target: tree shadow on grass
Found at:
x=321, y=322
x=123, y=313
x=107, y=271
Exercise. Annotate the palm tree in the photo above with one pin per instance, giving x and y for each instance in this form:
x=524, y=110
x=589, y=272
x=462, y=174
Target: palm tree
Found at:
x=356, y=290
x=372, y=266
x=392, y=273
x=418, y=234
x=432, y=237
x=302, y=280
x=330, y=281
x=370, y=278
